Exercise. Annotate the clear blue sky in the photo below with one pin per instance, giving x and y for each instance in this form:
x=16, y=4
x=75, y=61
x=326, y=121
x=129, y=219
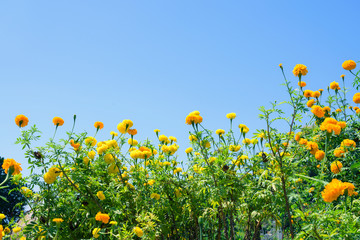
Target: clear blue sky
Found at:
x=156, y=61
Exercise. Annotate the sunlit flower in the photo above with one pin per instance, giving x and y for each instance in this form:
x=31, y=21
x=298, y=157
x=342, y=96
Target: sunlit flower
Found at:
x=318, y=111
x=308, y=93
x=58, y=220
x=189, y=150
x=138, y=231
x=315, y=94
x=98, y=125
x=310, y=103
x=132, y=142
x=220, y=132
x=300, y=69
x=339, y=152
x=234, y=148
x=58, y=121
x=319, y=155
x=155, y=196
x=102, y=217
x=302, y=84
x=100, y=195
x=193, y=118
x=90, y=141
x=114, y=134
x=336, y=167
x=356, y=98
x=243, y=128
x=349, y=65
x=95, y=232
x=231, y=116
x=21, y=120
x=132, y=132
x=334, y=85
x=10, y=163
x=173, y=139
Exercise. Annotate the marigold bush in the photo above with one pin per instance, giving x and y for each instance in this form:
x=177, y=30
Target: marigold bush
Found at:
x=302, y=179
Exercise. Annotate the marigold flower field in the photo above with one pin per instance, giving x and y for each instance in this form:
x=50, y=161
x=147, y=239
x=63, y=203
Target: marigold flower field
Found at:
x=302, y=181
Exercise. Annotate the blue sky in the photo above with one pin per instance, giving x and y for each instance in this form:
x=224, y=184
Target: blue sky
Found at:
x=156, y=61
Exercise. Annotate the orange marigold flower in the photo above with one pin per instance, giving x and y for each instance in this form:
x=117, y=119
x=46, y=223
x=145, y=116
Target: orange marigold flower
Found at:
x=348, y=143
x=349, y=65
x=58, y=121
x=339, y=152
x=342, y=124
x=193, y=118
x=334, y=85
x=21, y=120
x=303, y=141
x=312, y=146
x=98, y=125
x=333, y=190
x=342, y=76
x=356, y=98
x=302, y=84
x=308, y=93
x=74, y=144
x=102, y=217
x=330, y=125
x=350, y=188
x=316, y=94
x=336, y=167
x=12, y=164
x=300, y=69
x=327, y=109
x=297, y=137
x=310, y=103
x=319, y=155
x=132, y=132
x=318, y=111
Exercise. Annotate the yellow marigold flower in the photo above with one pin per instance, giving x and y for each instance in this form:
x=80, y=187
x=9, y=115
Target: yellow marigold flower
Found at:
x=155, y=196
x=234, y=148
x=102, y=217
x=109, y=158
x=58, y=220
x=311, y=189
x=231, y=116
x=10, y=163
x=300, y=69
x=171, y=138
x=246, y=141
x=280, y=65
x=114, y=134
x=303, y=141
x=151, y=182
x=336, y=167
x=90, y=141
x=26, y=192
x=334, y=85
x=313, y=147
x=132, y=132
x=327, y=109
x=178, y=170
x=163, y=138
x=336, y=188
x=49, y=179
x=254, y=141
x=243, y=128
x=189, y=150
x=2, y=216
x=113, y=168
x=339, y=152
x=318, y=166
x=205, y=144
x=138, y=231
x=318, y=111
x=321, y=90
x=95, y=232
x=338, y=110
x=308, y=93
x=193, y=118
x=348, y=143
x=315, y=94
x=91, y=154
x=16, y=229
x=330, y=125
x=157, y=130
x=100, y=195
x=261, y=135
x=86, y=160
x=357, y=111
x=302, y=84
x=113, y=222
x=319, y=155
x=58, y=121
x=310, y=103
x=212, y=160
x=192, y=138
x=98, y=125
x=132, y=142
x=349, y=65
x=356, y=98
x=220, y=132
x=21, y=120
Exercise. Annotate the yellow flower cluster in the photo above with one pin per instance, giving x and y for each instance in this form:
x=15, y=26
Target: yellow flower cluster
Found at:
x=198, y=169
x=26, y=191
x=102, y=217
x=142, y=153
x=193, y=118
x=10, y=163
x=313, y=147
x=336, y=188
x=138, y=231
x=243, y=128
x=102, y=147
x=177, y=170
x=170, y=149
x=124, y=126
x=51, y=175
x=347, y=143
x=91, y=141
x=332, y=125
x=318, y=111
x=234, y=148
